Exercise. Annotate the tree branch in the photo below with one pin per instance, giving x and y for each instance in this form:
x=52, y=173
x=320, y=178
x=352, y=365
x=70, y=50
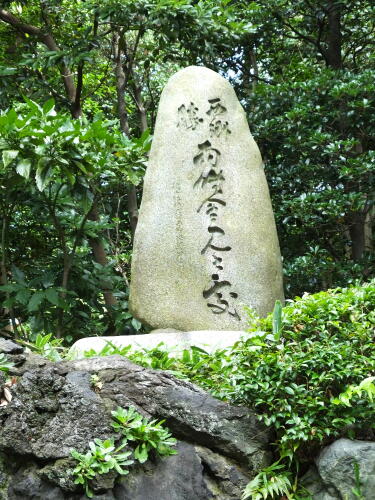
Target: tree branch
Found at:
x=48, y=41
x=76, y=108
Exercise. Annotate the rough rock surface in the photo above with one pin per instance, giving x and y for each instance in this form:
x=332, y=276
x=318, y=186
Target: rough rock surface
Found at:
x=206, y=242
x=334, y=476
x=9, y=347
x=55, y=408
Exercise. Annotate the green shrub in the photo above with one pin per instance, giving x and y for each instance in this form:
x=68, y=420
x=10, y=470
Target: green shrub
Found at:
x=327, y=344
x=307, y=370
x=101, y=458
x=293, y=366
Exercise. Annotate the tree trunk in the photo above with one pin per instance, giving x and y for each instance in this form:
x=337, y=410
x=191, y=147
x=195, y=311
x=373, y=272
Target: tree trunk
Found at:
x=333, y=52
x=357, y=234
x=141, y=108
x=121, y=82
x=3, y=271
x=132, y=207
x=100, y=257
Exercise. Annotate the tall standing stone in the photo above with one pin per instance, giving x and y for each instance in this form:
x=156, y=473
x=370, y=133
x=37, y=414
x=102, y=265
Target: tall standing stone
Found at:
x=206, y=242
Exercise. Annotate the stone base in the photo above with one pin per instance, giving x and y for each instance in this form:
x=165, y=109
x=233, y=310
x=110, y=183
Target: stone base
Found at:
x=173, y=341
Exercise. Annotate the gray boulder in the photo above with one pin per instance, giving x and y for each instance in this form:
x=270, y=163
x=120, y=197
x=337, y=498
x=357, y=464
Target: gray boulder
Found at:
x=335, y=475
x=55, y=408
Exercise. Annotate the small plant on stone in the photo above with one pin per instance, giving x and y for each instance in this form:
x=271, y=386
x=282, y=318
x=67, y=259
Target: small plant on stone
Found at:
x=5, y=365
x=47, y=346
x=357, y=490
x=102, y=457
x=271, y=482
x=151, y=435
x=96, y=382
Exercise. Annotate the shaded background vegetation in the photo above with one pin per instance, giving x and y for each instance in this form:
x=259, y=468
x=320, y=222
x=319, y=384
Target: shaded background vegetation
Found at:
x=71, y=168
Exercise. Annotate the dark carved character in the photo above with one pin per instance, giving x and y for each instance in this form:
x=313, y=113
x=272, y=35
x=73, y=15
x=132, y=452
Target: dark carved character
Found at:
x=216, y=108
x=218, y=292
x=219, y=303
x=217, y=262
x=211, y=173
x=217, y=124
x=208, y=160
x=211, y=210
x=214, y=197
x=221, y=306
x=214, y=241
x=188, y=117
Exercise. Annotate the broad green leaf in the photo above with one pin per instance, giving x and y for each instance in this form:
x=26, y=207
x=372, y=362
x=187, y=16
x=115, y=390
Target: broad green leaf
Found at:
x=277, y=320
x=23, y=168
x=19, y=275
x=42, y=175
x=9, y=156
x=136, y=324
x=52, y=296
x=48, y=106
x=35, y=301
x=23, y=296
x=7, y=71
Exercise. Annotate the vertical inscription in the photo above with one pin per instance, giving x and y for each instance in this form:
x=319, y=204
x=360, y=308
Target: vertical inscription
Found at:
x=179, y=225
x=188, y=116
x=218, y=293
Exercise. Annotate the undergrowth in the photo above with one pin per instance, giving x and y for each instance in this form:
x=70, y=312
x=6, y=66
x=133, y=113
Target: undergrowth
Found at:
x=307, y=370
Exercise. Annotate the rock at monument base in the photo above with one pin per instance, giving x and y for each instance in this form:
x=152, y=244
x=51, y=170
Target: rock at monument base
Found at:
x=173, y=341
x=206, y=242
x=334, y=476
x=55, y=408
x=188, y=475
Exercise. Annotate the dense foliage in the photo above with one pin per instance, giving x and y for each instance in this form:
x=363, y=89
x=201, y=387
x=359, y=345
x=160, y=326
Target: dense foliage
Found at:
x=293, y=375
x=308, y=372
x=54, y=171
x=333, y=176
x=69, y=201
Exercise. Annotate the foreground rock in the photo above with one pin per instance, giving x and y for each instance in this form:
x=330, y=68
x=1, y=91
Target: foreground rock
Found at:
x=335, y=476
x=206, y=242
x=55, y=408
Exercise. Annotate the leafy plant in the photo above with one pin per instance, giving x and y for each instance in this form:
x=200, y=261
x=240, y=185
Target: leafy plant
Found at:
x=365, y=388
x=102, y=457
x=5, y=365
x=357, y=490
x=54, y=169
x=96, y=382
x=327, y=344
x=277, y=322
x=47, y=346
x=269, y=483
x=151, y=435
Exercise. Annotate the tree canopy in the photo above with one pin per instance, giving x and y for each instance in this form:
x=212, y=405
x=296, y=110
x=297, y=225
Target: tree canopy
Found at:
x=80, y=84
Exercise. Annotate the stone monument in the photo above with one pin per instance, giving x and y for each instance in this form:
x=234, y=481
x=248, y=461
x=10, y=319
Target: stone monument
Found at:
x=206, y=242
